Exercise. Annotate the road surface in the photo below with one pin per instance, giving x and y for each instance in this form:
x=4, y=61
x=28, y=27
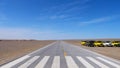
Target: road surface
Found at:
x=62, y=55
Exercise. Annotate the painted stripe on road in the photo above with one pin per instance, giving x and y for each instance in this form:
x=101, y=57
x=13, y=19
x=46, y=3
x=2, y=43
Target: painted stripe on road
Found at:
x=97, y=62
x=70, y=62
x=11, y=64
x=84, y=62
x=56, y=62
x=29, y=62
x=111, y=63
x=42, y=63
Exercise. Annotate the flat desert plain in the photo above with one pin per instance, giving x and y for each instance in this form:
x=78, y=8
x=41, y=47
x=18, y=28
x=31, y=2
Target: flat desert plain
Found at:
x=113, y=52
x=12, y=49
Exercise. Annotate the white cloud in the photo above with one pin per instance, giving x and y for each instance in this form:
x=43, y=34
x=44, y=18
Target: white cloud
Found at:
x=74, y=6
x=64, y=6
x=97, y=20
x=24, y=33
x=58, y=16
x=85, y=1
x=53, y=17
x=60, y=11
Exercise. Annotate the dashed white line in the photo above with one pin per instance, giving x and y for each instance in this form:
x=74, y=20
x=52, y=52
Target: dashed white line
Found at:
x=111, y=63
x=84, y=62
x=97, y=62
x=42, y=63
x=29, y=62
x=70, y=62
x=9, y=65
x=56, y=62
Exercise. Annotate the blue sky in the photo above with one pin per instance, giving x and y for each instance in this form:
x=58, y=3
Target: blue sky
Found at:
x=59, y=19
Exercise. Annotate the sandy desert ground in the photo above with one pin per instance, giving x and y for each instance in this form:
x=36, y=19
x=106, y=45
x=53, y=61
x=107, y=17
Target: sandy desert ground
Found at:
x=113, y=52
x=12, y=49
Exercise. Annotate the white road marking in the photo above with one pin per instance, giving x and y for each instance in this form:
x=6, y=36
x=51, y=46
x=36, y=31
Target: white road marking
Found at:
x=70, y=62
x=42, y=48
x=11, y=64
x=56, y=62
x=97, y=62
x=84, y=62
x=42, y=63
x=111, y=63
x=29, y=62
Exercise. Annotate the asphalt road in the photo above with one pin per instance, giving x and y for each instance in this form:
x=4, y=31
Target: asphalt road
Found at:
x=62, y=55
